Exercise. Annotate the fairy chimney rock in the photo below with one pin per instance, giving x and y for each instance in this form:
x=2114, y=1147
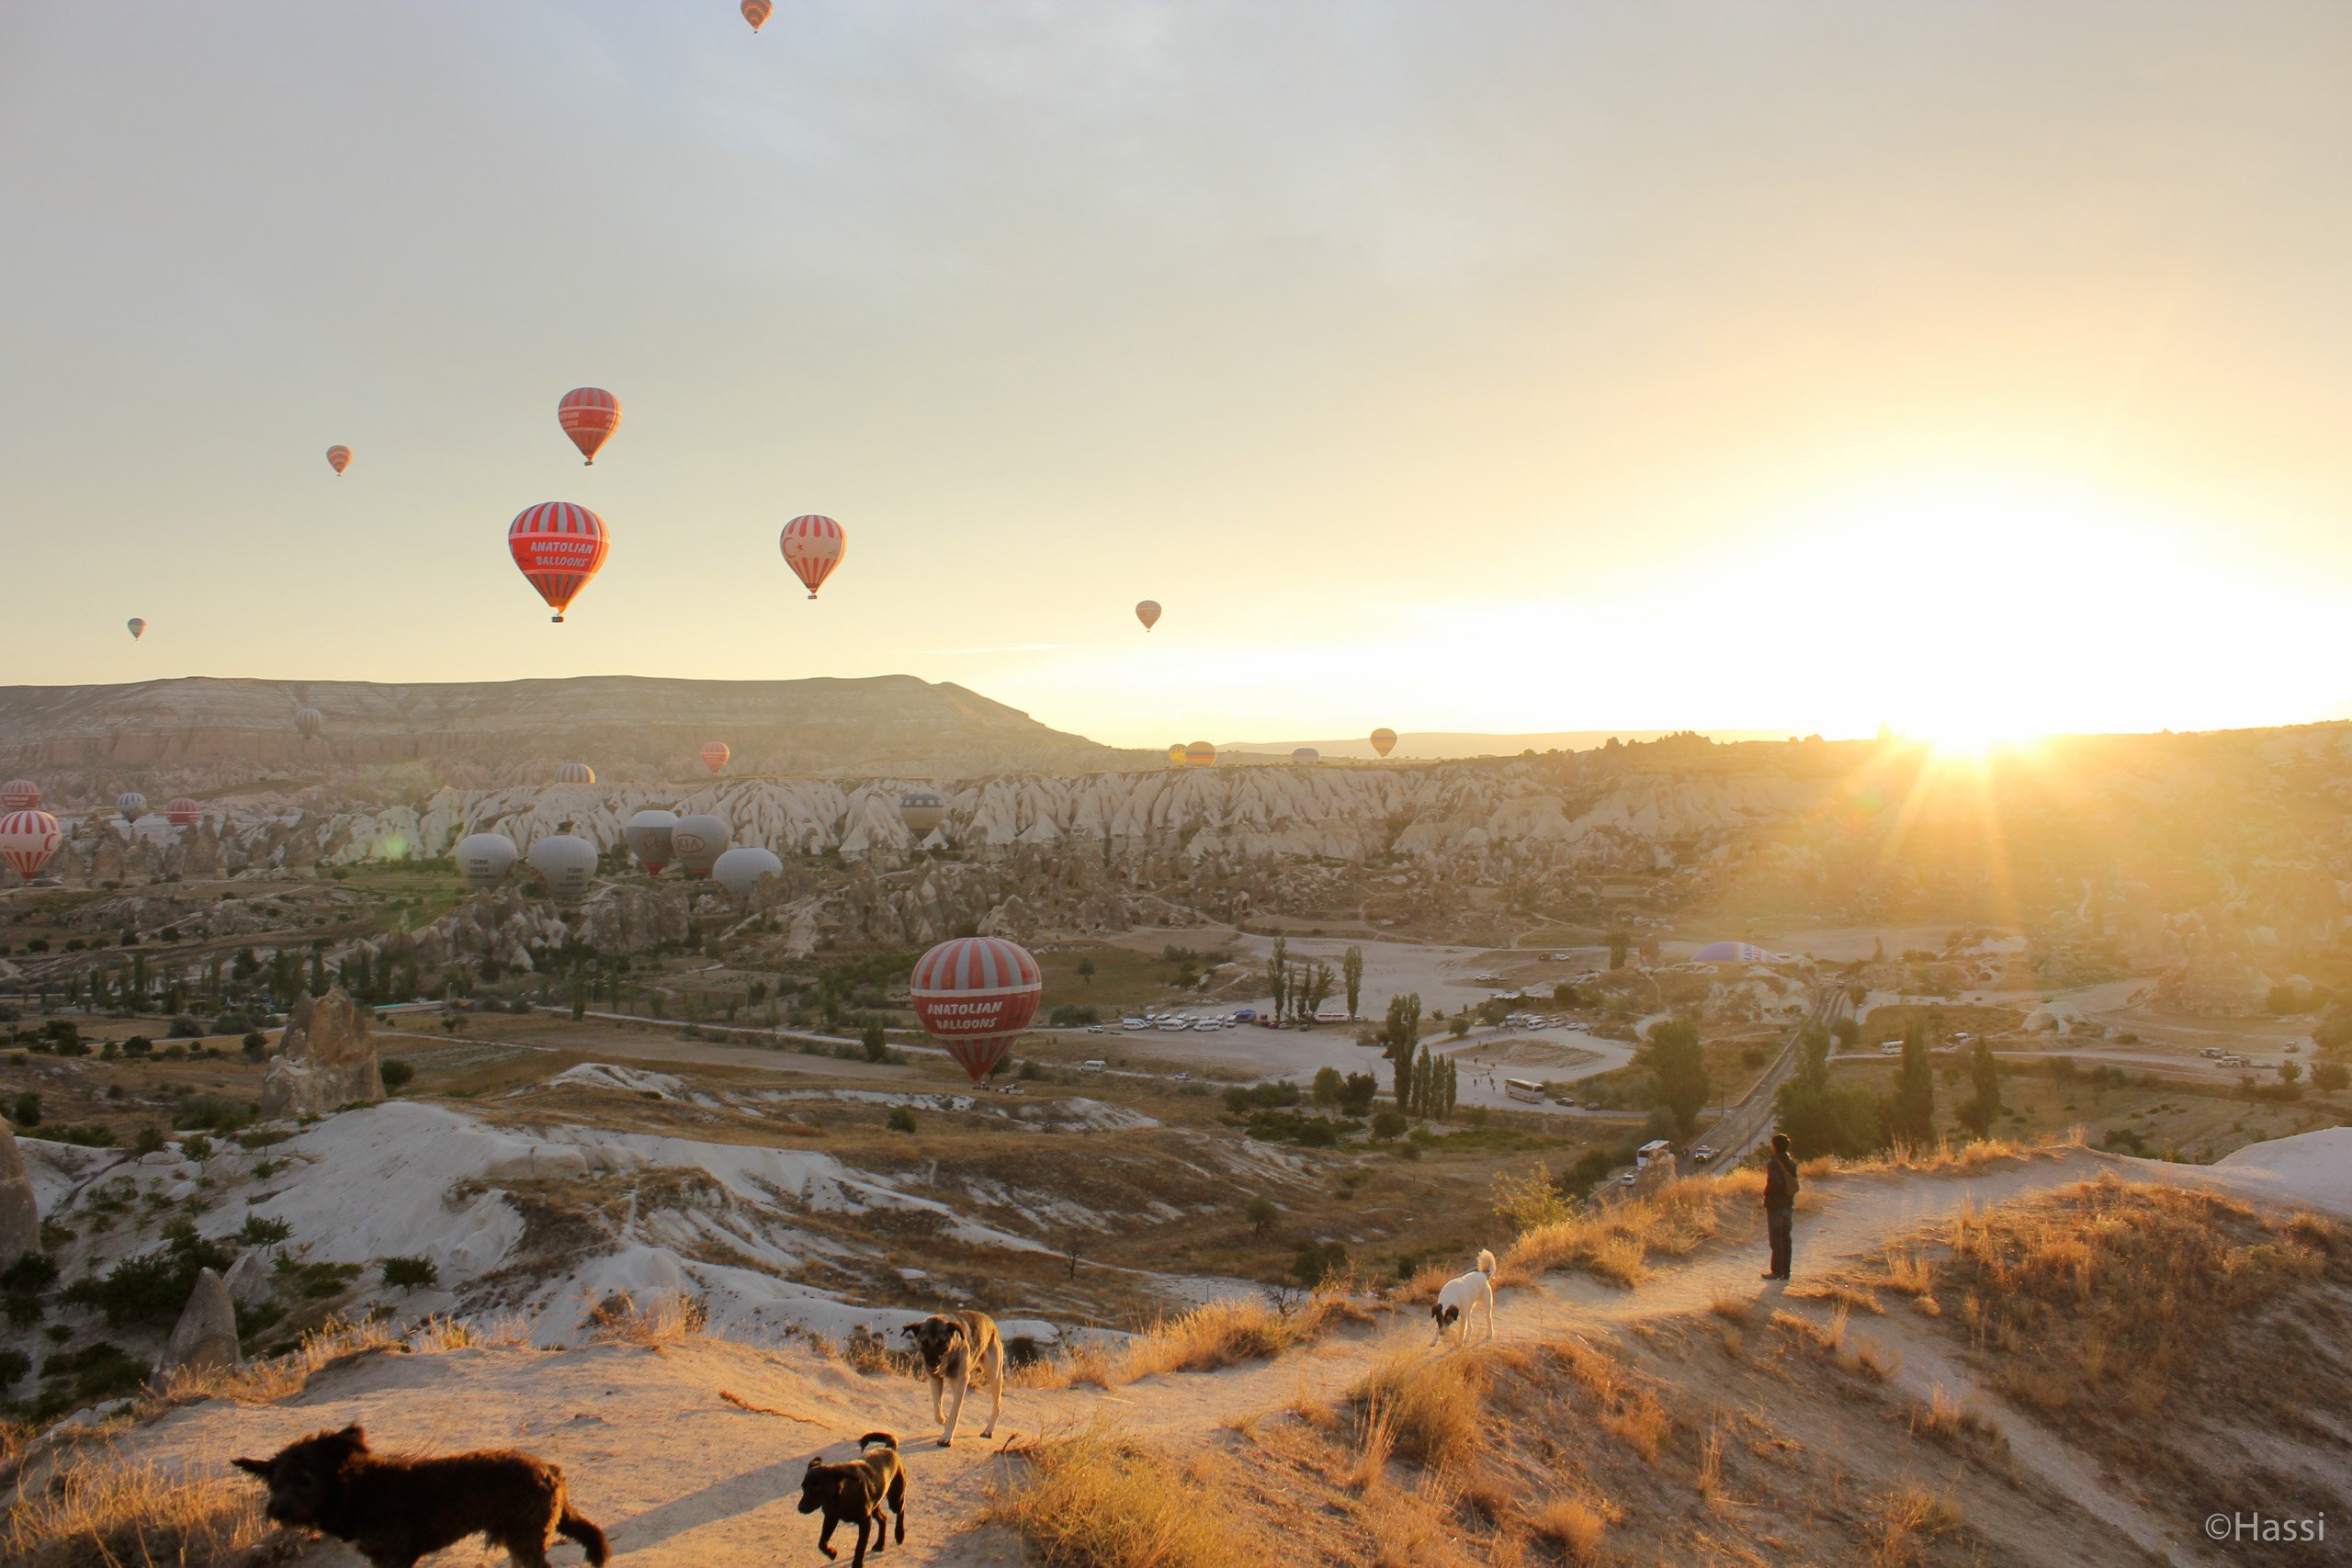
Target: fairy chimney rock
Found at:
x=19, y=1217
x=206, y=1333
x=326, y=1058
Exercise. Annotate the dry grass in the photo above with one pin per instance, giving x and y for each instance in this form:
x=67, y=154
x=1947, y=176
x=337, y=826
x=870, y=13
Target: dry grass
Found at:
x=1104, y=1498
x=1904, y=1521
x=98, y=1509
x=1947, y=1159
x=1222, y=1334
x=1641, y=1421
x=1955, y=1422
x=266, y=1382
x=669, y=1318
x=1576, y=1528
x=1430, y=1407
x=1845, y=1295
x=1731, y=1306
x=1615, y=1241
x=1909, y=1272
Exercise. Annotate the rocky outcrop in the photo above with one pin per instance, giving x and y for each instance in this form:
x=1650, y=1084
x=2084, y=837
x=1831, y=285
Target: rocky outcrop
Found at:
x=326, y=1058
x=20, y=1216
x=206, y=1334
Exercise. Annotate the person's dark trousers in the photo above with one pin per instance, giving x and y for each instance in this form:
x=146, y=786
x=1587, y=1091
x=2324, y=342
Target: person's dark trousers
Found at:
x=1775, y=1221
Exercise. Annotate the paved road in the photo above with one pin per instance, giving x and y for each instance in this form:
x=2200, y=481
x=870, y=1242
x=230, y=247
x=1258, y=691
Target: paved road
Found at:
x=1749, y=1122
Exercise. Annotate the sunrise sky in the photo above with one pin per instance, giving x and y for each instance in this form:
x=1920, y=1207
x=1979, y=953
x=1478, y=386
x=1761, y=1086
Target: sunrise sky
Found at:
x=1447, y=366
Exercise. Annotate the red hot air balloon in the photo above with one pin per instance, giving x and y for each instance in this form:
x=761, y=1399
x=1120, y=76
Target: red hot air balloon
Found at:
x=812, y=546
x=756, y=12
x=976, y=995
x=19, y=795
x=338, y=459
x=715, y=754
x=1200, y=754
x=559, y=547
x=589, y=415
x=28, y=838
x=1384, y=740
x=182, y=812
x=1148, y=613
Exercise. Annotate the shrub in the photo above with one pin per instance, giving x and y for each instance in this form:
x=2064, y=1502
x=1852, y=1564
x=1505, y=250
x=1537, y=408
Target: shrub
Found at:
x=26, y=1110
x=2329, y=1077
x=900, y=1119
x=254, y=1044
x=1316, y=1262
x=261, y=1231
x=875, y=1044
x=396, y=1074
x=148, y=1140
x=1387, y=1123
x=153, y=1286
x=87, y=1137
x=410, y=1273
x=209, y=1114
x=182, y=1028
x=1316, y=1134
x=1262, y=1214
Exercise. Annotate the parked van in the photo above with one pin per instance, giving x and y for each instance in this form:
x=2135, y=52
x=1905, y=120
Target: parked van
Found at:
x=1520, y=1089
x=1094, y=1066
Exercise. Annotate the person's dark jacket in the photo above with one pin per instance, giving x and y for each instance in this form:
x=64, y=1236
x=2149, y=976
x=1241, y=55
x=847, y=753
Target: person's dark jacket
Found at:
x=1780, y=1182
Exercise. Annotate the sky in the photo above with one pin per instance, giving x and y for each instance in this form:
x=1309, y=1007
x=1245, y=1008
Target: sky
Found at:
x=1467, y=366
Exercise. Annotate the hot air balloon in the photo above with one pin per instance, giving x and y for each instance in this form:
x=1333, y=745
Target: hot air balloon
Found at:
x=566, y=863
x=1200, y=754
x=1176, y=756
x=183, y=812
x=28, y=839
x=19, y=795
x=1303, y=754
x=648, y=837
x=575, y=772
x=715, y=754
x=1148, y=613
x=310, y=721
x=137, y=628
x=740, y=869
x=338, y=459
x=975, y=995
x=1383, y=742
x=589, y=415
x=756, y=12
x=484, y=858
x=812, y=546
x=559, y=547
x=132, y=804
x=699, y=840
x=921, y=811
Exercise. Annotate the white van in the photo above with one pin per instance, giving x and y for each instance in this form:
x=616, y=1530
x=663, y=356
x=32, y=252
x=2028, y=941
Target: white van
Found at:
x=1093, y=1067
x=1522, y=1088
x=1650, y=1151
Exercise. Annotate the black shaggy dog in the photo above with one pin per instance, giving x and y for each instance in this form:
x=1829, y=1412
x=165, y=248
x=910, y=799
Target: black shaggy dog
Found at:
x=395, y=1509
x=858, y=1489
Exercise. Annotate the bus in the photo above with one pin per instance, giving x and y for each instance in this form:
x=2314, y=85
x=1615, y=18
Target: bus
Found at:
x=1522, y=1088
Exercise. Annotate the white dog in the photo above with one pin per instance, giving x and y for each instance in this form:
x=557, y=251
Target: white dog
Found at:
x=1462, y=1293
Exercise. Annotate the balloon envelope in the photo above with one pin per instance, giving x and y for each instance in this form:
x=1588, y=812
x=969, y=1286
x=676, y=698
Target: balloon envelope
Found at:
x=26, y=840
x=975, y=995
x=310, y=721
x=648, y=837
x=921, y=811
x=1304, y=754
x=699, y=840
x=19, y=795
x=715, y=754
x=1383, y=742
x=741, y=868
x=484, y=858
x=812, y=546
x=558, y=548
x=566, y=863
x=575, y=772
x=137, y=627
x=1148, y=613
x=756, y=12
x=132, y=804
x=1176, y=755
x=1200, y=754
x=589, y=415
x=338, y=459
x=182, y=812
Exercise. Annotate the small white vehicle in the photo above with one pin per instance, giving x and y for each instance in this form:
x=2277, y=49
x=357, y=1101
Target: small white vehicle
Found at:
x=1096, y=1065
x=2290, y=1047
x=1701, y=1155
x=1093, y=1029
x=1011, y=1088
x=1890, y=1047
x=2213, y=1051
x=1184, y=1077
x=1135, y=1023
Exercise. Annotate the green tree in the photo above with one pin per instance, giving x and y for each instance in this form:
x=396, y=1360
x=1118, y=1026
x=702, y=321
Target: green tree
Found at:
x=396, y=1074
x=1678, y=1069
x=1351, y=971
x=580, y=989
x=1398, y=1037
x=1978, y=1113
x=1278, y=975
x=2331, y=1077
x=1329, y=1087
x=1357, y=1093
x=2290, y=1071
x=1451, y=1089
x=1086, y=970
x=1262, y=1214
x=1620, y=944
x=877, y=1044
x=1911, y=1108
x=900, y=1120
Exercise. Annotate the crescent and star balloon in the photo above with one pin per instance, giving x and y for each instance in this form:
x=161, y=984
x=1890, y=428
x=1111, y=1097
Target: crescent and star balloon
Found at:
x=646, y=834
x=756, y=12
x=575, y=772
x=182, y=812
x=566, y=863
x=558, y=547
x=1383, y=742
x=338, y=459
x=589, y=415
x=132, y=804
x=28, y=839
x=484, y=858
x=921, y=811
x=138, y=627
x=310, y=721
x=19, y=795
x=812, y=546
x=1148, y=613
x=715, y=754
x=699, y=840
x=740, y=869
x=975, y=995
x=1200, y=754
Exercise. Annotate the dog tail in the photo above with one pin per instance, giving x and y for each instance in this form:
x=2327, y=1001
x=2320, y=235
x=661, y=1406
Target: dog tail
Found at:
x=884, y=1438
x=571, y=1527
x=1485, y=1262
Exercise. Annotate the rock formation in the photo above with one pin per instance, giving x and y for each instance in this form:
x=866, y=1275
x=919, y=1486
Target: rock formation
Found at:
x=326, y=1058
x=19, y=1217
x=206, y=1334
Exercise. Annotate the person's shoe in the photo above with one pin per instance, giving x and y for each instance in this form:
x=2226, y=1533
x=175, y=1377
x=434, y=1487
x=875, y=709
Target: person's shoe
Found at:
x=1768, y=1274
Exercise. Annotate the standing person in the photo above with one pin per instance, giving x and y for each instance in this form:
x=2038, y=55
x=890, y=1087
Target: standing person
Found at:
x=1779, y=1204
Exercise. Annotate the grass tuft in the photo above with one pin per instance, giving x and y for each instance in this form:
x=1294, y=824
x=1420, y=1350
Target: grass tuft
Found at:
x=1104, y=1498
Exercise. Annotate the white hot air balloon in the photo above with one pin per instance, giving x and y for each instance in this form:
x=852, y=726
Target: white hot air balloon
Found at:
x=648, y=837
x=741, y=868
x=132, y=804
x=484, y=858
x=699, y=840
x=922, y=811
x=566, y=863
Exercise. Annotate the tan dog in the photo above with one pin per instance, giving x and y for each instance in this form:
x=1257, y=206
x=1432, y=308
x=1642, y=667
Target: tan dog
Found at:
x=953, y=1349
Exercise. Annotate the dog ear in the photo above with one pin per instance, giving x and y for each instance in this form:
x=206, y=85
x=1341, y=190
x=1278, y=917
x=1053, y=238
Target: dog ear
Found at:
x=354, y=1439
x=909, y=1329
x=261, y=1467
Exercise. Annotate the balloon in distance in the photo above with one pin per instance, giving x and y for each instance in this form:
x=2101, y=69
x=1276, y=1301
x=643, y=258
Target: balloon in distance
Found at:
x=646, y=834
x=1176, y=756
x=28, y=839
x=1148, y=613
x=558, y=547
x=756, y=12
x=812, y=546
x=1383, y=742
x=338, y=459
x=922, y=811
x=132, y=804
x=1303, y=754
x=975, y=995
x=138, y=627
x=715, y=754
x=589, y=415
x=308, y=722
x=1200, y=754
x=566, y=863
x=19, y=795
x=182, y=812
x=741, y=868
x=699, y=840
x=484, y=858
x=575, y=772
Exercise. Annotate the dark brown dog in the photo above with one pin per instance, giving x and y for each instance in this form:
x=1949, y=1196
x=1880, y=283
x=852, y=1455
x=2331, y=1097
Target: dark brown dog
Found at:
x=396, y=1509
x=956, y=1348
x=858, y=1489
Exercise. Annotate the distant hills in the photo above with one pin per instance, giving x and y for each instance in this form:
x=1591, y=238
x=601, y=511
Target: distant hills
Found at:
x=1435, y=743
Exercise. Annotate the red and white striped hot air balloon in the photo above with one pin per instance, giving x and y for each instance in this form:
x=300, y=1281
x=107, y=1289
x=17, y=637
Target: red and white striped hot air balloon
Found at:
x=559, y=547
x=182, y=812
x=575, y=772
x=26, y=840
x=756, y=12
x=976, y=995
x=589, y=415
x=812, y=546
x=715, y=754
x=19, y=795
x=338, y=459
